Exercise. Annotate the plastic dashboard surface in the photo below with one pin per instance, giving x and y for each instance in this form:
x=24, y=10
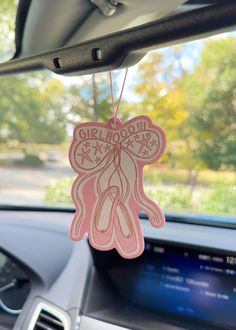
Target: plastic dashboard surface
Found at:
x=85, y=285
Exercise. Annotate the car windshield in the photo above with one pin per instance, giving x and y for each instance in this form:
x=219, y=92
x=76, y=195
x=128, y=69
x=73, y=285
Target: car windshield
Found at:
x=188, y=89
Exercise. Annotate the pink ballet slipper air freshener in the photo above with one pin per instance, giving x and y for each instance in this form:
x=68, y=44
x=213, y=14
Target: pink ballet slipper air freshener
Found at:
x=108, y=192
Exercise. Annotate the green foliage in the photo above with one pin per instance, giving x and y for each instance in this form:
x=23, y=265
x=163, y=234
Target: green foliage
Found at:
x=32, y=109
x=211, y=100
x=178, y=198
x=90, y=100
x=58, y=193
x=220, y=200
x=154, y=176
x=31, y=106
x=165, y=100
x=31, y=160
x=8, y=10
x=197, y=109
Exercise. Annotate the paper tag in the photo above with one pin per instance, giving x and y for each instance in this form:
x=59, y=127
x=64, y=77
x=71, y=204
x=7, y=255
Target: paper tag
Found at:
x=108, y=193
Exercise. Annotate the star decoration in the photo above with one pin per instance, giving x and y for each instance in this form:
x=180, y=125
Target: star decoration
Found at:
x=97, y=148
x=97, y=159
x=144, y=143
x=153, y=142
x=85, y=155
x=145, y=152
x=136, y=136
x=87, y=144
x=107, y=148
x=129, y=143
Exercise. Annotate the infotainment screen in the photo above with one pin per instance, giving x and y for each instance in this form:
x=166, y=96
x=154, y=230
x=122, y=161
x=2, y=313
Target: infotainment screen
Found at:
x=182, y=280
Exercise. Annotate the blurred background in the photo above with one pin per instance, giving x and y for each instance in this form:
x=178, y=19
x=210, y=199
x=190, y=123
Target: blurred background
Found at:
x=188, y=89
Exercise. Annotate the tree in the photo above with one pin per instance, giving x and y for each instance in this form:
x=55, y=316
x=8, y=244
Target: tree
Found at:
x=211, y=91
x=36, y=108
x=8, y=10
x=164, y=99
x=32, y=109
x=31, y=106
x=90, y=100
x=195, y=107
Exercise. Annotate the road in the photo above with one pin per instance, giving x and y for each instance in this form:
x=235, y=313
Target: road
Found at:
x=26, y=186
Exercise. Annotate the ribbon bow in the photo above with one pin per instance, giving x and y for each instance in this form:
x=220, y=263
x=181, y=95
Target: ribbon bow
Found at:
x=108, y=193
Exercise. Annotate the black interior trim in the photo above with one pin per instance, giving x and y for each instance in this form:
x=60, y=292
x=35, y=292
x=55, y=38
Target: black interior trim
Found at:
x=36, y=208
x=188, y=218
x=203, y=2
x=199, y=219
x=116, y=47
x=21, y=16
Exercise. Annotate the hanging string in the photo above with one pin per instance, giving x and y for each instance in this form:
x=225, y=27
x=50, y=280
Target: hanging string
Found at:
x=115, y=108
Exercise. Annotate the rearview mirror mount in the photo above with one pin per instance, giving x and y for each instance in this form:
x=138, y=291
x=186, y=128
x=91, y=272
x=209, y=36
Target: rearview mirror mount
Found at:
x=125, y=48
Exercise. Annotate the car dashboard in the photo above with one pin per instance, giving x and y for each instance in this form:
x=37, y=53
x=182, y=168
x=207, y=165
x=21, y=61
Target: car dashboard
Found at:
x=185, y=279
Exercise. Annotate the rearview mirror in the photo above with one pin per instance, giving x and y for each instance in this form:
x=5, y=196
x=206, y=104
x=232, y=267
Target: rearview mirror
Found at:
x=120, y=49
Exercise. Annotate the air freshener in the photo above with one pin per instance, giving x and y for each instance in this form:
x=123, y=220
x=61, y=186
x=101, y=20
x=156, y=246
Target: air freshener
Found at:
x=108, y=192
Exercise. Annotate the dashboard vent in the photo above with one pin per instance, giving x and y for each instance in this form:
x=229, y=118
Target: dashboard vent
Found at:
x=48, y=321
x=47, y=316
